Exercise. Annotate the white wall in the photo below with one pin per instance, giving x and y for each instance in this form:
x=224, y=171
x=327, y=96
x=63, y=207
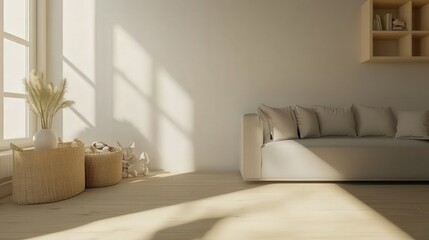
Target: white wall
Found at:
x=177, y=75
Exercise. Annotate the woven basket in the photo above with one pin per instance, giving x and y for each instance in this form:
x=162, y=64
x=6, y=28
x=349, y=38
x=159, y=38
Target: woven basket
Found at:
x=41, y=176
x=103, y=169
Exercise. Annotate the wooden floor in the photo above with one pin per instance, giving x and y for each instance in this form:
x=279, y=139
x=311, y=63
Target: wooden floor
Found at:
x=220, y=206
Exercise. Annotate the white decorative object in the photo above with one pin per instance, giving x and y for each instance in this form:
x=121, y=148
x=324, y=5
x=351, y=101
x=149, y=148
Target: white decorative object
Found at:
x=131, y=165
x=45, y=139
x=45, y=100
x=98, y=147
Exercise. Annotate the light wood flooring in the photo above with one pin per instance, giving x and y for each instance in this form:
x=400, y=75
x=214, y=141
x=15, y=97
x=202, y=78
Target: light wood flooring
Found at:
x=221, y=206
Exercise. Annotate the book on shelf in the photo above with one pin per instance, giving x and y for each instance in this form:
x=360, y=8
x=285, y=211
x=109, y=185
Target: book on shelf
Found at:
x=377, y=26
x=399, y=28
x=388, y=22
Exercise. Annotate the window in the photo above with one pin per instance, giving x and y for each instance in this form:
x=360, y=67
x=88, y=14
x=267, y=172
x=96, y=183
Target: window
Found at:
x=17, y=58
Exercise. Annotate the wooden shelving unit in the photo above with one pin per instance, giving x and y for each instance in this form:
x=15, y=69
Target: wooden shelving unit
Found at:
x=411, y=45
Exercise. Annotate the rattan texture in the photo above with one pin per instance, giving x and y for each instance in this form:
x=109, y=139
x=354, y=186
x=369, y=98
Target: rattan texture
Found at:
x=48, y=175
x=103, y=169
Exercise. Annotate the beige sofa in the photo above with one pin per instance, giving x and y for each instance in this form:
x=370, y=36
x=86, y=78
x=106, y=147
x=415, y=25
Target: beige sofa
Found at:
x=331, y=158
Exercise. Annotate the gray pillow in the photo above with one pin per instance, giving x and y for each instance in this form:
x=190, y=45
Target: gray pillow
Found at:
x=282, y=122
x=412, y=124
x=307, y=122
x=335, y=121
x=374, y=121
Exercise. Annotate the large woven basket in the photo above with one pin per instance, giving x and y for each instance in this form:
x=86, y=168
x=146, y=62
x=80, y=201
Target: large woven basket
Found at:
x=103, y=169
x=41, y=176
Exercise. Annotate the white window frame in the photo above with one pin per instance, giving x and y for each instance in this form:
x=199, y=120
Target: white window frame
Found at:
x=31, y=43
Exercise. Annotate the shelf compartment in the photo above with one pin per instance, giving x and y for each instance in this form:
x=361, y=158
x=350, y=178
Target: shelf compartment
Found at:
x=390, y=44
x=421, y=45
x=401, y=9
x=420, y=15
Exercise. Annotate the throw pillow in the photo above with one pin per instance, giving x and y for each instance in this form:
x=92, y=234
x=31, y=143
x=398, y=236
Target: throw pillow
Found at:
x=265, y=125
x=374, y=121
x=307, y=122
x=335, y=121
x=412, y=124
x=282, y=122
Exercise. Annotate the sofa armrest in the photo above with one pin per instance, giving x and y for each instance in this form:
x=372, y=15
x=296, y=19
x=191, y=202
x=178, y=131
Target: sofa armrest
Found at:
x=252, y=141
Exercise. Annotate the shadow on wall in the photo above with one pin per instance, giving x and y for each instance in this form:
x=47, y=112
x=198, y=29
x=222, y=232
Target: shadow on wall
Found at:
x=177, y=76
x=125, y=96
x=140, y=74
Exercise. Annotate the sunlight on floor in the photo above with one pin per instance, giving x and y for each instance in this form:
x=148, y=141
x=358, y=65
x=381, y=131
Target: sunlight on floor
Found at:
x=272, y=211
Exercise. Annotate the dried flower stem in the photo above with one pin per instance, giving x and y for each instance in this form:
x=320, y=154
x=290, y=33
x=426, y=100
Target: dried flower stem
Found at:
x=45, y=99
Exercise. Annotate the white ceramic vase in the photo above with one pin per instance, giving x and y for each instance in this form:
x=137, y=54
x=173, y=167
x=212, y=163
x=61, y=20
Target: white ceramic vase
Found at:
x=45, y=139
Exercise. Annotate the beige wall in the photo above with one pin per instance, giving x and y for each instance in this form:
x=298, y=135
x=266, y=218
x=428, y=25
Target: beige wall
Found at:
x=177, y=75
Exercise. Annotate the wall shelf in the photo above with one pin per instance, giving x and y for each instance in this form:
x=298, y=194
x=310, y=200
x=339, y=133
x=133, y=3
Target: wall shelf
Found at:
x=411, y=45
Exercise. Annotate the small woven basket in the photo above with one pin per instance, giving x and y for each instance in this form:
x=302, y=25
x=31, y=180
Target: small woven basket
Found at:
x=103, y=169
x=48, y=175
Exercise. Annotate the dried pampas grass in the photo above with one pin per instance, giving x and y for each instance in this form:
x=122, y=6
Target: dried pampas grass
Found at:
x=45, y=99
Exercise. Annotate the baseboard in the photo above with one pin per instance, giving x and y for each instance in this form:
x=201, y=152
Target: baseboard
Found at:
x=5, y=187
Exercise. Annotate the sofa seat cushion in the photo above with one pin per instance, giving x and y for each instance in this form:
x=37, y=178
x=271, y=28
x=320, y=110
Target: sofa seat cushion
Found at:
x=342, y=158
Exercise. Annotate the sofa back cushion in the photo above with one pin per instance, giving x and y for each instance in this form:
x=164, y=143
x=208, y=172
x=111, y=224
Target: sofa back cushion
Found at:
x=335, y=121
x=281, y=121
x=308, y=125
x=374, y=121
x=412, y=124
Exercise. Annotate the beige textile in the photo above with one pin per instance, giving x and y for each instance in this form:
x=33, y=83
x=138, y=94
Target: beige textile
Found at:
x=335, y=121
x=412, y=124
x=282, y=122
x=331, y=158
x=374, y=121
x=307, y=122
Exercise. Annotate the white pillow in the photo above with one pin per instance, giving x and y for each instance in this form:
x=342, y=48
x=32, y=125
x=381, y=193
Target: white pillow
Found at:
x=412, y=124
x=335, y=121
x=374, y=121
x=307, y=122
x=282, y=122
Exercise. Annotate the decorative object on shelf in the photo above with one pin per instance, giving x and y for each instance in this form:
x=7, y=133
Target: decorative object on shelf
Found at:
x=45, y=100
x=399, y=25
x=103, y=165
x=131, y=165
x=48, y=175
